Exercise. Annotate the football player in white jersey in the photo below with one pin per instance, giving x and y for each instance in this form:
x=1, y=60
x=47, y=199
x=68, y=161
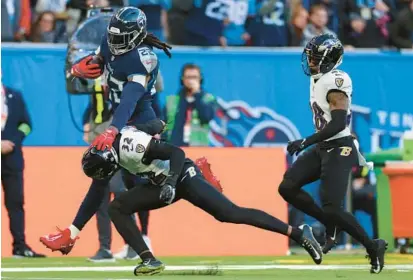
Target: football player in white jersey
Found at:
x=334, y=151
x=172, y=176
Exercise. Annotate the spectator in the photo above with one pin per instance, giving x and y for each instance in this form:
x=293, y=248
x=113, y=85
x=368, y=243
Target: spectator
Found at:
x=55, y=6
x=15, y=20
x=234, y=23
x=269, y=28
x=188, y=113
x=176, y=18
x=332, y=10
x=156, y=15
x=317, y=25
x=204, y=25
x=401, y=30
x=15, y=126
x=44, y=29
x=77, y=10
x=299, y=21
x=364, y=22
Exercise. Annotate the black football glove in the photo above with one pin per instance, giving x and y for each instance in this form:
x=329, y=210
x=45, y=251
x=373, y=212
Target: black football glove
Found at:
x=167, y=193
x=295, y=147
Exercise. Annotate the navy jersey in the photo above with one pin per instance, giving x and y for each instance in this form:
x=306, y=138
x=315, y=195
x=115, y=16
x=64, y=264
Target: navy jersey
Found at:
x=206, y=19
x=270, y=29
x=137, y=65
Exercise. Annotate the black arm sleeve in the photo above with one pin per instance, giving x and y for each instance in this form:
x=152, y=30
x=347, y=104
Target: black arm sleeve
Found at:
x=164, y=151
x=337, y=124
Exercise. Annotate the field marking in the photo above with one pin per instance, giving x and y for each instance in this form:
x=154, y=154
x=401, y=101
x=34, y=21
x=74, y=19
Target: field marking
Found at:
x=203, y=267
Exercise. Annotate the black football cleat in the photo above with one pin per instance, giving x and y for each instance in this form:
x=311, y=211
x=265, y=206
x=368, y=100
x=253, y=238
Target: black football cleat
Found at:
x=26, y=252
x=310, y=244
x=149, y=267
x=376, y=256
x=331, y=242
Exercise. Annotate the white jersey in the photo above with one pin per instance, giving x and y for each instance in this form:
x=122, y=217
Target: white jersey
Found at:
x=334, y=80
x=132, y=146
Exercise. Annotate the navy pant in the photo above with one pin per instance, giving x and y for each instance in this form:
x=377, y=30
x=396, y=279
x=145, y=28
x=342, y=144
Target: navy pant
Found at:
x=14, y=200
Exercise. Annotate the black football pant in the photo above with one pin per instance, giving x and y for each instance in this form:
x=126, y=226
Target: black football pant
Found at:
x=116, y=186
x=196, y=190
x=331, y=163
x=14, y=200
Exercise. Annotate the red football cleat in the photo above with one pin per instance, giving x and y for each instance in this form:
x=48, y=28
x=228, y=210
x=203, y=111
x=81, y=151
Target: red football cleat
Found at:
x=60, y=241
x=205, y=168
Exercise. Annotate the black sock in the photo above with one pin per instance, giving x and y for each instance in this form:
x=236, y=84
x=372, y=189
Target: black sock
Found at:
x=147, y=255
x=144, y=220
x=296, y=234
x=349, y=224
x=128, y=229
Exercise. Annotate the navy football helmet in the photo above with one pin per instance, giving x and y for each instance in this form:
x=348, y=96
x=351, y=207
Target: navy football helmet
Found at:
x=321, y=55
x=126, y=30
x=100, y=164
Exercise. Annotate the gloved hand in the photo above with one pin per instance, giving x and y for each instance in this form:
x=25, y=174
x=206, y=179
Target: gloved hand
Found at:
x=106, y=139
x=167, y=193
x=295, y=147
x=90, y=67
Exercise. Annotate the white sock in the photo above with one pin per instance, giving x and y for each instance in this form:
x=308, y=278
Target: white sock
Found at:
x=74, y=231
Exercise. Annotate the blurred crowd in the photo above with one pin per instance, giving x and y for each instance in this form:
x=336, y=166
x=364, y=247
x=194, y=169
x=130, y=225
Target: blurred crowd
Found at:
x=267, y=23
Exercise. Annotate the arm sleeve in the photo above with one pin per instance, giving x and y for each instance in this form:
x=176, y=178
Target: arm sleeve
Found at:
x=337, y=124
x=131, y=94
x=206, y=107
x=164, y=151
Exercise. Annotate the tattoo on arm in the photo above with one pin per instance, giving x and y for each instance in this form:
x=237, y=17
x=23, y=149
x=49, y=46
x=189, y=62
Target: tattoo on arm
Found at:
x=338, y=100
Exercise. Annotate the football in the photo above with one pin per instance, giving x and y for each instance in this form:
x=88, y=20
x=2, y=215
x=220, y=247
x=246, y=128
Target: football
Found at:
x=97, y=60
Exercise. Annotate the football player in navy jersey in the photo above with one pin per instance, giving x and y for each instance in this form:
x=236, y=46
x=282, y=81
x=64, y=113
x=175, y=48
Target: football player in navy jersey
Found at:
x=127, y=54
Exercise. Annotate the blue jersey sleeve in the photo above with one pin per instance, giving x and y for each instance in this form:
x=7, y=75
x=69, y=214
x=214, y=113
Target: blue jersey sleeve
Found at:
x=141, y=63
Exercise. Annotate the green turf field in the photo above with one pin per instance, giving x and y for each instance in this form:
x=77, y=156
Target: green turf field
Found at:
x=353, y=267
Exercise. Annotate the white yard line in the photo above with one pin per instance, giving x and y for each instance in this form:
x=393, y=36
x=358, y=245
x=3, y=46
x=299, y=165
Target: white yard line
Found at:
x=203, y=267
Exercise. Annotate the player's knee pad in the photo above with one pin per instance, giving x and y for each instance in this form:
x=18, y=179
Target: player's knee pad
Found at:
x=287, y=188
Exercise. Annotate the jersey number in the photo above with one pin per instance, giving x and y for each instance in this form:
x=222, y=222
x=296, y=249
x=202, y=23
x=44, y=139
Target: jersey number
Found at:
x=127, y=144
x=275, y=18
x=318, y=113
x=235, y=11
x=116, y=88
